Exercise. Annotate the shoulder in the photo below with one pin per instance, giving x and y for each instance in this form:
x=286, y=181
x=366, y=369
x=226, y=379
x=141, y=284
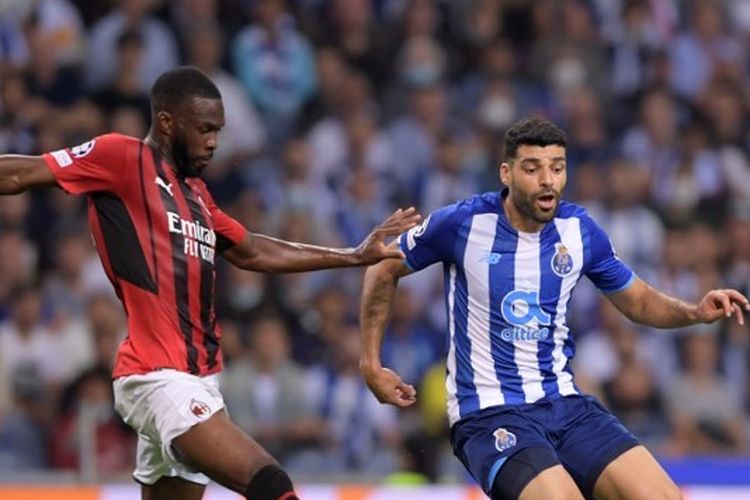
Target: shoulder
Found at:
x=465, y=209
x=568, y=210
x=116, y=140
x=114, y=146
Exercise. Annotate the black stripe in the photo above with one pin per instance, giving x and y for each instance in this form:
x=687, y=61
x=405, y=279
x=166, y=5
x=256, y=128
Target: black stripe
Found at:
x=208, y=324
x=124, y=250
x=180, y=270
x=223, y=243
x=150, y=223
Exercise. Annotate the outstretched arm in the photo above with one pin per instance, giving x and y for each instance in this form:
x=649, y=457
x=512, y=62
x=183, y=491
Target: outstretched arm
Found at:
x=377, y=299
x=19, y=173
x=644, y=304
x=265, y=254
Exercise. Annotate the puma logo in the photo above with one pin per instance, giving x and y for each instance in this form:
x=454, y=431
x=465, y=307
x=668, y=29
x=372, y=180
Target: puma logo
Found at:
x=167, y=187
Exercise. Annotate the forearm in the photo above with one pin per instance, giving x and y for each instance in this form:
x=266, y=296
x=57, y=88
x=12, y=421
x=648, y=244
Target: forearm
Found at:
x=19, y=173
x=378, y=292
x=659, y=310
x=11, y=170
x=279, y=256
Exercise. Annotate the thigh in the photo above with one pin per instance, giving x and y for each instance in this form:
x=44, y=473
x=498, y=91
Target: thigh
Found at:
x=172, y=488
x=160, y=406
x=485, y=442
x=534, y=473
x=552, y=484
x=635, y=474
x=222, y=451
x=591, y=438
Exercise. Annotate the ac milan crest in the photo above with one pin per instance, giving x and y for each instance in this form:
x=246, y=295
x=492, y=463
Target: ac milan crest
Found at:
x=199, y=408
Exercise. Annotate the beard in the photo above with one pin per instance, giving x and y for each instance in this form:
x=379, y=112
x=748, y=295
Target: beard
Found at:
x=185, y=164
x=526, y=203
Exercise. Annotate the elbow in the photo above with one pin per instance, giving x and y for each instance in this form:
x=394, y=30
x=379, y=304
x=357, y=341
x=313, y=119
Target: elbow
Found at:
x=11, y=185
x=253, y=263
x=387, y=270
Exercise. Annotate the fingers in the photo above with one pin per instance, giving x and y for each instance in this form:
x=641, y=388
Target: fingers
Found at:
x=406, y=395
x=726, y=304
x=390, y=389
x=398, y=222
x=740, y=315
x=731, y=302
x=737, y=297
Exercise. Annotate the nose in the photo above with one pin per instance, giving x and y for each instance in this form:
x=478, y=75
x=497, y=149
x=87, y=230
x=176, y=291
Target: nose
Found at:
x=212, y=143
x=545, y=177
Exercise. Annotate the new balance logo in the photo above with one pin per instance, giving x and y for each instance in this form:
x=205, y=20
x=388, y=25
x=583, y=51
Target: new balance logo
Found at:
x=490, y=257
x=166, y=187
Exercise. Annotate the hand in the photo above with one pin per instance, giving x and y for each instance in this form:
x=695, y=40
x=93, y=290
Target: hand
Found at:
x=388, y=387
x=373, y=249
x=722, y=303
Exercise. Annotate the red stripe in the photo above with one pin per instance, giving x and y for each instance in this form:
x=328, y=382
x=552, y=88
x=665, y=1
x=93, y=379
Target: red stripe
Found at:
x=288, y=495
x=193, y=274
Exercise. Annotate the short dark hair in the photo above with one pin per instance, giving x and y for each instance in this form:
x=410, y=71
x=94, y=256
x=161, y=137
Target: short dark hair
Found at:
x=179, y=85
x=533, y=132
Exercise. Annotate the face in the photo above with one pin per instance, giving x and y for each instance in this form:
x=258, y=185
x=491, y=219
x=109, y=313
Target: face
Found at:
x=193, y=133
x=535, y=179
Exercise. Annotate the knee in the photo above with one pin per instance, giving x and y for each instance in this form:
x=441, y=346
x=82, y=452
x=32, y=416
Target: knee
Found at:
x=270, y=483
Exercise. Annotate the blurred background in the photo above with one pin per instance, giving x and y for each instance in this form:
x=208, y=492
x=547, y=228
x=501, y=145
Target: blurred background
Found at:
x=338, y=112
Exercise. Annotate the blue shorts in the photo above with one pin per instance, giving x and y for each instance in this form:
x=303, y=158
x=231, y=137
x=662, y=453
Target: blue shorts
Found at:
x=582, y=433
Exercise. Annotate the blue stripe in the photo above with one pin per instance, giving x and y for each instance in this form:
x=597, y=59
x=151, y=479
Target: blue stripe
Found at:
x=586, y=243
x=493, y=472
x=502, y=281
x=549, y=296
x=466, y=390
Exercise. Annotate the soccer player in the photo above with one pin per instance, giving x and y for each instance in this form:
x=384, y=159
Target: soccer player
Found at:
x=511, y=260
x=157, y=231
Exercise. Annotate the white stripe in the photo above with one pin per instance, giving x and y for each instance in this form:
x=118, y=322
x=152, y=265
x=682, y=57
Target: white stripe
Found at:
x=454, y=413
x=570, y=234
x=476, y=268
x=528, y=277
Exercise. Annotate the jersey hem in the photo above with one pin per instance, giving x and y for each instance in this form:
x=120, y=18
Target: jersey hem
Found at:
x=621, y=288
x=144, y=371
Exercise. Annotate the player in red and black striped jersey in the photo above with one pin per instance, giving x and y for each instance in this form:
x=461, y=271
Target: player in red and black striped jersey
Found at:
x=157, y=231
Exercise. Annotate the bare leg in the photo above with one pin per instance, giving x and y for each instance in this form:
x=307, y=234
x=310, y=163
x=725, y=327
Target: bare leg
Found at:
x=222, y=451
x=172, y=488
x=552, y=484
x=635, y=474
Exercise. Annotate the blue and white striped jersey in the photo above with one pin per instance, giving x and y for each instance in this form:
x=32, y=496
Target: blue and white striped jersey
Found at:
x=507, y=294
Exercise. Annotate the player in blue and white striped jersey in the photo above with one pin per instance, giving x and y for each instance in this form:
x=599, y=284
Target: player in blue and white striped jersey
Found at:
x=511, y=260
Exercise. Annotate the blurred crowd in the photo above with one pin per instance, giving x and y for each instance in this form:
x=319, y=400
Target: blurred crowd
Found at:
x=339, y=111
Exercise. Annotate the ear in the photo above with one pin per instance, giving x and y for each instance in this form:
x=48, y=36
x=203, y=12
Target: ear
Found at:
x=505, y=173
x=165, y=123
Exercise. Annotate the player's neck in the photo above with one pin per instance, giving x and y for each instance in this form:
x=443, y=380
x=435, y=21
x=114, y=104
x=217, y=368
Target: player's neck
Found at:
x=153, y=140
x=519, y=221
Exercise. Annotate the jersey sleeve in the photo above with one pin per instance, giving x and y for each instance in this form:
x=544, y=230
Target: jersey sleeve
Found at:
x=604, y=268
x=229, y=232
x=430, y=242
x=96, y=165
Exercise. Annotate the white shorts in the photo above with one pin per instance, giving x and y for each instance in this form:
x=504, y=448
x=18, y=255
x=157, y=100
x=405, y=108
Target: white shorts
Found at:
x=161, y=406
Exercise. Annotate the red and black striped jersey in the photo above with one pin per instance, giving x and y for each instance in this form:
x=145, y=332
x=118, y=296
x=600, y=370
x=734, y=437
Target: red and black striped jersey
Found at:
x=157, y=235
